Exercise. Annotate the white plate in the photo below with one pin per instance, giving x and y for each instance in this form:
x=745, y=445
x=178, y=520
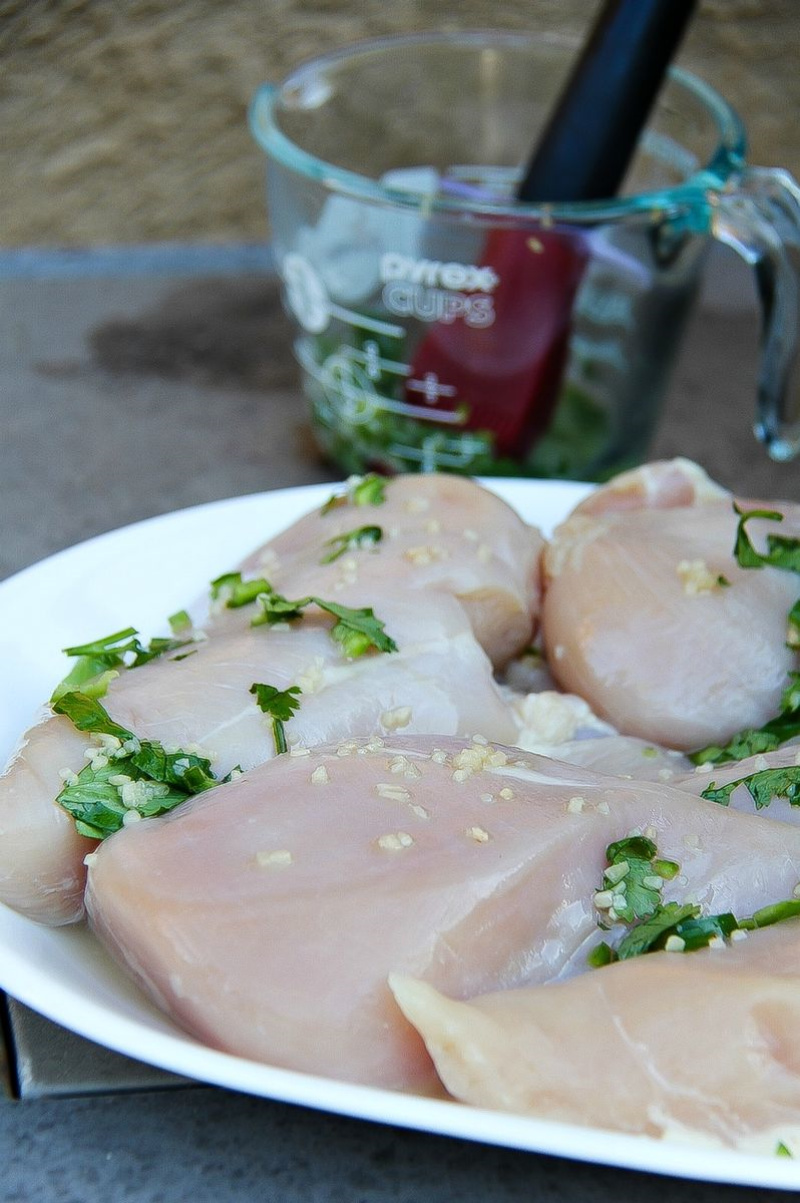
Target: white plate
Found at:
x=136, y=576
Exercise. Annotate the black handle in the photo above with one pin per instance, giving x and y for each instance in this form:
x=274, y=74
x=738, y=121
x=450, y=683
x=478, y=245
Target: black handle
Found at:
x=589, y=141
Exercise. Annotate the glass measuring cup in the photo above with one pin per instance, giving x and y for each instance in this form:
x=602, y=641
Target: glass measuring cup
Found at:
x=444, y=326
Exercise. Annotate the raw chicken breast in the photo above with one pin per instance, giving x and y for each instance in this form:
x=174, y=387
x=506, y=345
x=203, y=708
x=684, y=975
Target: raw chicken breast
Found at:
x=625, y=756
x=266, y=915
x=666, y=1044
x=455, y=571
x=440, y=534
x=42, y=873
x=636, y=621
x=440, y=680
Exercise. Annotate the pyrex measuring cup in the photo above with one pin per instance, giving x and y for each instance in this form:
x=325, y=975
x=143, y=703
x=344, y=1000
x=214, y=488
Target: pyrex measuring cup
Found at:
x=425, y=343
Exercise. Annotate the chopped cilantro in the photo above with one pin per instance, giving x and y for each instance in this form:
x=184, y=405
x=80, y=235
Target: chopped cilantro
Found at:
x=652, y=924
x=602, y=954
x=87, y=714
x=126, y=774
x=634, y=879
x=179, y=622
x=656, y=929
x=782, y=1150
x=98, y=662
x=234, y=592
x=95, y=802
x=782, y=552
x=363, y=536
x=793, y=626
x=763, y=786
x=356, y=630
x=359, y=490
x=776, y=913
x=276, y=608
x=743, y=549
x=280, y=705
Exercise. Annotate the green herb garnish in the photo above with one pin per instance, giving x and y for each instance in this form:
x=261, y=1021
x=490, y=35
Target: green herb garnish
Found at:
x=776, y=912
x=654, y=932
x=793, y=624
x=234, y=592
x=126, y=775
x=652, y=924
x=356, y=630
x=180, y=622
x=98, y=662
x=280, y=705
x=763, y=786
x=782, y=552
x=633, y=880
x=363, y=536
x=359, y=490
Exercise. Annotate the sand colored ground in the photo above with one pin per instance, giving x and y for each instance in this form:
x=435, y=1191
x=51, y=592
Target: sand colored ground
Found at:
x=125, y=120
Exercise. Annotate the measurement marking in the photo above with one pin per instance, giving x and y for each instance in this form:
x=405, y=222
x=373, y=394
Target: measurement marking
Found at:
x=372, y=359
x=322, y=373
x=431, y=388
x=366, y=323
x=424, y=415
x=433, y=457
x=385, y=365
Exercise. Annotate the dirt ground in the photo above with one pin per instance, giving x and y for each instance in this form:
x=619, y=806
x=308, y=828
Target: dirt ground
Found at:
x=125, y=120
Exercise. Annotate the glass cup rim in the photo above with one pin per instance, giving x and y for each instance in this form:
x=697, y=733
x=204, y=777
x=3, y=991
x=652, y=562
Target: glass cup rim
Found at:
x=727, y=157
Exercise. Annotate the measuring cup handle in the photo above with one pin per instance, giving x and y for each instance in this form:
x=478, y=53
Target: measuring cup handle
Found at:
x=758, y=215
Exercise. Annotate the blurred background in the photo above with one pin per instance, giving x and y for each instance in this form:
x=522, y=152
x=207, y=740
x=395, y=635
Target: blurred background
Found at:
x=124, y=121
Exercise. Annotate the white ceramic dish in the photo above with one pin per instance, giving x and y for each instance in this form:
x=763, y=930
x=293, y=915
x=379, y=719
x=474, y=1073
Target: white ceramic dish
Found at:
x=136, y=576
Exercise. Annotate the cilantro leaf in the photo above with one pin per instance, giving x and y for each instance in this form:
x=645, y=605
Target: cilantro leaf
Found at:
x=96, y=804
x=235, y=593
x=793, y=626
x=656, y=929
x=186, y=770
x=91, y=676
x=632, y=882
x=280, y=705
x=180, y=622
x=602, y=954
x=361, y=537
x=743, y=549
x=359, y=490
x=97, y=663
x=87, y=714
x=356, y=630
x=126, y=774
x=763, y=786
x=276, y=608
x=653, y=924
x=110, y=645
